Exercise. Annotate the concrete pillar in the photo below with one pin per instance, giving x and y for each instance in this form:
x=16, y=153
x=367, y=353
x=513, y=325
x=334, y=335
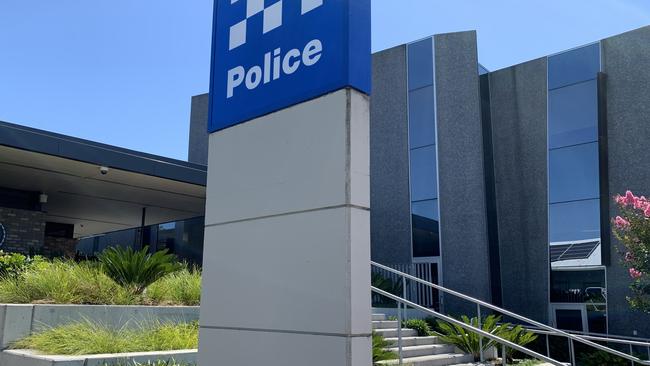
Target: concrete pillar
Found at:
x=286, y=278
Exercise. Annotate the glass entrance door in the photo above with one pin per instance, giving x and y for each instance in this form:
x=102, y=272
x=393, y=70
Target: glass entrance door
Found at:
x=570, y=319
x=588, y=318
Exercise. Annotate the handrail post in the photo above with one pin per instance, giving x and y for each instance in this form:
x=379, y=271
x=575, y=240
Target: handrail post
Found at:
x=504, y=358
x=648, y=353
x=548, y=346
x=572, y=352
x=631, y=352
x=480, y=326
x=404, y=296
x=399, y=330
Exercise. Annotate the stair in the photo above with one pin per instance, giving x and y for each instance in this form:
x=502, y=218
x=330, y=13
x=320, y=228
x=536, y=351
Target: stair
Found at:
x=417, y=351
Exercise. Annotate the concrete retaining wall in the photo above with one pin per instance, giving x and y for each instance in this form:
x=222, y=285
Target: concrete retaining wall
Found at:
x=19, y=321
x=29, y=358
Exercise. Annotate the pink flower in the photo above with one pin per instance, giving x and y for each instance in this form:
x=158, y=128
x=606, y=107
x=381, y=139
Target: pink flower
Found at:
x=647, y=211
x=620, y=200
x=635, y=274
x=629, y=198
x=629, y=257
x=621, y=223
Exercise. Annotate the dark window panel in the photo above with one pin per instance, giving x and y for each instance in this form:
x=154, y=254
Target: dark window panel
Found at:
x=424, y=184
x=578, y=220
x=573, y=173
x=422, y=123
x=420, y=64
x=574, y=66
x=577, y=286
x=573, y=114
x=426, y=237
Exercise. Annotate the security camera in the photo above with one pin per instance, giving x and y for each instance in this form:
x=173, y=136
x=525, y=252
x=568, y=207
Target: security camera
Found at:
x=103, y=170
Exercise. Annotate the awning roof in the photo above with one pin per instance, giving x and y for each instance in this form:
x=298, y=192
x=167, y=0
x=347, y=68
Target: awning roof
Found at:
x=67, y=170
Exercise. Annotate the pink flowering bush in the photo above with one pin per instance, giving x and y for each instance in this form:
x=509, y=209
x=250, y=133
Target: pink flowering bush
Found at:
x=632, y=228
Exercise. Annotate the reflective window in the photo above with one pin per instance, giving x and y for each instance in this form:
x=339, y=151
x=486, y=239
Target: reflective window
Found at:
x=425, y=237
x=424, y=185
x=579, y=220
x=427, y=209
x=420, y=64
x=422, y=123
x=578, y=286
x=182, y=238
x=573, y=173
x=574, y=66
x=573, y=114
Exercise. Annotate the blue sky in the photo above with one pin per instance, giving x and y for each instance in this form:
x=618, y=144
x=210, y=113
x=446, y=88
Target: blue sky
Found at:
x=122, y=72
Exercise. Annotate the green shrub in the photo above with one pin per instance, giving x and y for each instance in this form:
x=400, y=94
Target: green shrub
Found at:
x=517, y=335
x=388, y=285
x=137, y=269
x=179, y=288
x=599, y=358
x=468, y=341
x=14, y=264
x=419, y=325
x=64, y=282
x=87, y=338
x=379, y=349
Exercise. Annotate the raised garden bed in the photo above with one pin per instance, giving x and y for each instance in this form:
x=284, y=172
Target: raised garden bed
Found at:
x=19, y=321
x=30, y=358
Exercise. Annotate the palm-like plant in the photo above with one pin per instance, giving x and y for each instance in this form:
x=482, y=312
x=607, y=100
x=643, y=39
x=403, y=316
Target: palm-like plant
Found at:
x=137, y=269
x=517, y=335
x=467, y=341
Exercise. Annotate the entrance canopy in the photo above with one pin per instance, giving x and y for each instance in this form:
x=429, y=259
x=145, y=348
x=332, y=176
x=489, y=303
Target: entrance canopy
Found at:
x=71, y=176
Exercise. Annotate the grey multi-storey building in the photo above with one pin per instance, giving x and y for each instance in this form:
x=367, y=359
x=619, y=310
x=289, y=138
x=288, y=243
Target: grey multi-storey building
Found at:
x=499, y=183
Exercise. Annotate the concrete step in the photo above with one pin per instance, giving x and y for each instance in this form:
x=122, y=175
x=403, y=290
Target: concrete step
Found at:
x=392, y=332
x=378, y=317
x=415, y=341
x=424, y=350
x=384, y=324
x=444, y=359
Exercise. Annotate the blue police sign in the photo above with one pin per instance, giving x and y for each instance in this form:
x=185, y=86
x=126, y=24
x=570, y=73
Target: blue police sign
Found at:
x=271, y=54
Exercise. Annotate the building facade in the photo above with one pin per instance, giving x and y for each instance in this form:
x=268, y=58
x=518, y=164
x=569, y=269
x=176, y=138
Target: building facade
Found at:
x=499, y=183
x=495, y=184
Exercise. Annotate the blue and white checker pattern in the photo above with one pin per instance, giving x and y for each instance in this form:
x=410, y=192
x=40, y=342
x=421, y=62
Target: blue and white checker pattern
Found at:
x=272, y=17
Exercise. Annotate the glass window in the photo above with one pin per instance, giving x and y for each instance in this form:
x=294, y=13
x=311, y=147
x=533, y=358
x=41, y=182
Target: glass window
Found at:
x=427, y=209
x=578, y=286
x=573, y=173
x=578, y=220
x=574, y=66
x=422, y=123
x=425, y=237
x=573, y=114
x=420, y=64
x=424, y=185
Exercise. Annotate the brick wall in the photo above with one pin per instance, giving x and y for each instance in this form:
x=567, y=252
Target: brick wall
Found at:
x=59, y=247
x=25, y=230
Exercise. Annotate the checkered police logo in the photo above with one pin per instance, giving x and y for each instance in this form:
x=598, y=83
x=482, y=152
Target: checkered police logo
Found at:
x=272, y=17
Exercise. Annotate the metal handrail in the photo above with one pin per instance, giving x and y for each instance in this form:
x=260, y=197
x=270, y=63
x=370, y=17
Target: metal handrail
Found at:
x=479, y=303
x=469, y=327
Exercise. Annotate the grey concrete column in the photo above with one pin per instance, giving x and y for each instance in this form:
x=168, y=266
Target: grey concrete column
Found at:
x=518, y=98
x=626, y=63
x=286, y=278
x=461, y=179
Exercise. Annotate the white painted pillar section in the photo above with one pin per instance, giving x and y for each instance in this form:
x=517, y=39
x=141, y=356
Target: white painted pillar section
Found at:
x=286, y=268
